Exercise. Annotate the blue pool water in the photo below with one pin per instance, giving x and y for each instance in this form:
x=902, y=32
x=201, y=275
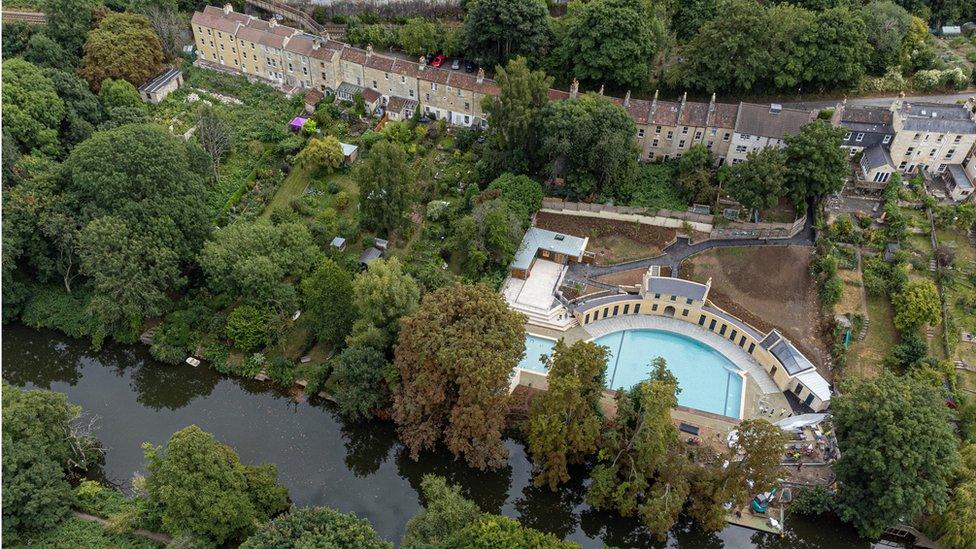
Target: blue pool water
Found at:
x=708, y=381
x=535, y=347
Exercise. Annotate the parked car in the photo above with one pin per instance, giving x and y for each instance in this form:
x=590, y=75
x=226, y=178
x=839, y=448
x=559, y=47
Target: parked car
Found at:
x=469, y=66
x=438, y=61
x=456, y=65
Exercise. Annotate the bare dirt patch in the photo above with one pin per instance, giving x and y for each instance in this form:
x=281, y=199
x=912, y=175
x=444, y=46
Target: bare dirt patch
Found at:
x=768, y=287
x=612, y=241
x=623, y=278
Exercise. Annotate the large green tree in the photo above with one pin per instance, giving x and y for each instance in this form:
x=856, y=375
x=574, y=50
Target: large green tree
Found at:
x=512, y=134
x=610, y=41
x=419, y=36
x=522, y=193
x=592, y=139
x=565, y=421
x=897, y=448
x=386, y=185
x=32, y=109
x=454, y=356
x=642, y=469
x=886, y=25
x=816, y=164
x=42, y=443
x=841, y=49
x=201, y=488
x=495, y=30
x=251, y=261
x=757, y=183
x=488, y=237
x=360, y=375
x=321, y=154
x=328, y=300
x=316, y=527
x=124, y=46
x=381, y=296
x=82, y=111
x=68, y=22
x=916, y=304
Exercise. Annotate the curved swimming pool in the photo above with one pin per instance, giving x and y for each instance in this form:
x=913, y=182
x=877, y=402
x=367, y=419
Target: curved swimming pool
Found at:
x=708, y=381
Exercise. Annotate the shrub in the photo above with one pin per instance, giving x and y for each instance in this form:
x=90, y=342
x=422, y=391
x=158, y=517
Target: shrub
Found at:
x=813, y=501
x=248, y=327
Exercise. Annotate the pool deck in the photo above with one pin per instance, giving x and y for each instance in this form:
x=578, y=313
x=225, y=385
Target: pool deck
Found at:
x=761, y=396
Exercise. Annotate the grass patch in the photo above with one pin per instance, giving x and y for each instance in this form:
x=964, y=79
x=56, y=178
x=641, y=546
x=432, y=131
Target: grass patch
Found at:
x=864, y=358
x=658, y=188
x=293, y=186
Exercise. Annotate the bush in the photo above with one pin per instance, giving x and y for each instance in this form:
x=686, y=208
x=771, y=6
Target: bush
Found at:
x=249, y=328
x=831, y=291
x=812, y=501
x=52, y=307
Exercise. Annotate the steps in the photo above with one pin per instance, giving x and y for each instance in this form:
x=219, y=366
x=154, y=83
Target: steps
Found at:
x=864, y=330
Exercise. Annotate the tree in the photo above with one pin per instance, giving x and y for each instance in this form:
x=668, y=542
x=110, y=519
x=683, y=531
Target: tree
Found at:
x=897, y=451
x=591, y=136
x=217, y=137
x=612, y=41
x=249, y=328
x=201, y=488
x=513, y=113
x=316, y=527
x=418, y=36
x=16, y=37
x=32, y=110
x=840, y=48
x=816, y=164
x=42, y=443
x=642, y=469
x=168, y=24
x=916, y=304
x=757, y=183
x=908, y=353
x=119, y=94
x=451, y=520
x=886, y=25
x=956, y=527
x=68, y=22
x=82, y=111
x=129, y=272
x=690, y=15
x=445, y=511
x=487, y=238
x=496, y=30
x=251, y=260
x=522, y=194
x=323, y=154
x=694, y=176
x=45, y=52
x=564, y=422
x=124, y=46
x=454, y=356
x=386, y=183
x=360, y=375
x=382, y=295
x=729, y=52
x=328, y=297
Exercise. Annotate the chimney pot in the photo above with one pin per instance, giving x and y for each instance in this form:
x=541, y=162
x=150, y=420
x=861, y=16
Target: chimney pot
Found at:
x=574, y=89
x=423, y=62
x=481, y=75
x=601, y=89
x=228, y=8
x=627, y=99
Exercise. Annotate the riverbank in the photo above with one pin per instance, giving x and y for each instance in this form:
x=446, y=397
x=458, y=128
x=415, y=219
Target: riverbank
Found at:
x=353, y=467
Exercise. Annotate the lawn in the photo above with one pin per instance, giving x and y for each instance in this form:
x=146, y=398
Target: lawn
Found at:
x=294, y=185
x=864, y=357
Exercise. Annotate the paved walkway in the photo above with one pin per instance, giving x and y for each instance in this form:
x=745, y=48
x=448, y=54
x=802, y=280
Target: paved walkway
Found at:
x=731, y=351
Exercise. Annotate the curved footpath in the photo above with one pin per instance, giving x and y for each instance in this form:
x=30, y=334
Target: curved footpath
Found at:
x=682, y=249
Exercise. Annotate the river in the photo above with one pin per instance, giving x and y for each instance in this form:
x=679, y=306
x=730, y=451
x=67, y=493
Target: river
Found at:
x=359, y=468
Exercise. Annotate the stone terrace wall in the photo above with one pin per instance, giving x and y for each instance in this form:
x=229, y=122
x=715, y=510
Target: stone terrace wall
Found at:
x=659, y=218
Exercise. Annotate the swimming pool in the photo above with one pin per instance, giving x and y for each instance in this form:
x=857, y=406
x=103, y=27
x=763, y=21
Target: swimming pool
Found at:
x=535, y=347
x=708, y=381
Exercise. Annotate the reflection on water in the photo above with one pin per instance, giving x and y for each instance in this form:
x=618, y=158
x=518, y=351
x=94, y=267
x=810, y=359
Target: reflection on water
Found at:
x=354, y=467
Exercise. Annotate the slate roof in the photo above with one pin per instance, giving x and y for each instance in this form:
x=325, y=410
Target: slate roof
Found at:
x=536, y=238
x=741, y=325
x=666, y=285
x=760, y=120
x=161, y=80
x=866, y=114
x=937, y=117
x=876, y=157
x=959, y=176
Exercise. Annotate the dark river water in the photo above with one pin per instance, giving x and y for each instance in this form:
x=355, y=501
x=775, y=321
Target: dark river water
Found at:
x=358, y=468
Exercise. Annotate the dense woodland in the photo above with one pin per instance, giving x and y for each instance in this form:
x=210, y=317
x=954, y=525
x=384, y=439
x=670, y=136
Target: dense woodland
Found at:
x=114, y=223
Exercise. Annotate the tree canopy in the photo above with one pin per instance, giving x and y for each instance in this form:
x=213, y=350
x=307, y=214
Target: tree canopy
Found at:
x=360, y=375
x=202, y=488
x=382, y=294
x=565, y=421
x=123, y=46
x=609, y=41
x=496, y=30
x=328, y=301
x=32, y=109
x=454, y=356
x=897, y=451
x=522, y=193
x=757, y=183
x=386, y=186
x=916, y=304
x=316, y=527
x=816, y=163
x=321, y=154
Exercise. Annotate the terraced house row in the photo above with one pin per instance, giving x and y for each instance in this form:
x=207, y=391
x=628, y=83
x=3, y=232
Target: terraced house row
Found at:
x=299, y=62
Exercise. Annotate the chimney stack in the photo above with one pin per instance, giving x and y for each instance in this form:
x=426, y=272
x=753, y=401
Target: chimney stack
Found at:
x=684, y=99
x=316, y=44
x=272, y=22
x=574, y=89
x=654, y=102
x=711, y=103
x=627, y=99
x=228, y=8
x=481, y=75
x=423, y=62
x=601, y=89
x=369, y=51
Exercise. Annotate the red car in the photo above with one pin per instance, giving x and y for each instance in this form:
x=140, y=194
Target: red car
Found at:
x=438, y=61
